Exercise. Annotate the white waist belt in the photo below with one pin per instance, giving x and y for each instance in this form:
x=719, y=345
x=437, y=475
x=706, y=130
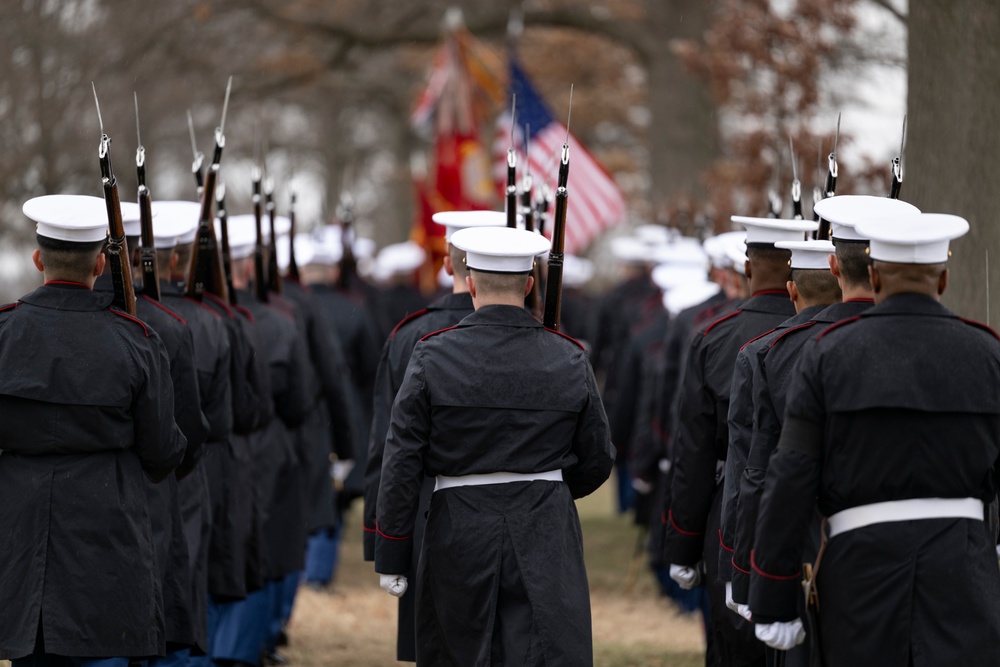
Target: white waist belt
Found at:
x=442, y=482
x=905, y=510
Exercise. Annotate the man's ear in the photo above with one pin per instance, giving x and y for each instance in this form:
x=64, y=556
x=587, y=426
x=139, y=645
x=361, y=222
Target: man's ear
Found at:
x=448, y=268
x=793, y=291
x=942, y=282
x=875, y=279
x=36, y=257
x=471, y=284
x=834, y=265
x=528, y=285
x=99, y=264
x=746, y=268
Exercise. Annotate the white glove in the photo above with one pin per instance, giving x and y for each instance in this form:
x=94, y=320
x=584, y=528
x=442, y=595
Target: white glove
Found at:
x=781, y=636
x=393, y=584
x=339, y=470
x=686, y=577
x=641, y=486
x=744, y=611
x=729, y=598
x=998, y=546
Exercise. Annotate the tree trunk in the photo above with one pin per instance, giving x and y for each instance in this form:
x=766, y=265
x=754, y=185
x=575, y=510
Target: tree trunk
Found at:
x=684, y=132
x=953, y=150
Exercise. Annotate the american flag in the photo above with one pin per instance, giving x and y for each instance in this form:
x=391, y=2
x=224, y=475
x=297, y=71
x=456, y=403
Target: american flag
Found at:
x=595, y=201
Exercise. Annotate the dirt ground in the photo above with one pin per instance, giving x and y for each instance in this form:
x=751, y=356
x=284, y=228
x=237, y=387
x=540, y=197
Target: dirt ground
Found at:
x=353, y=623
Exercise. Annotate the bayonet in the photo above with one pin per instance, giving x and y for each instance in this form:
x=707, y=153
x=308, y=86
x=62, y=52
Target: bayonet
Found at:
x=832, y=167
x=198, y=165
x=511, y=200
x=796, y=185
x=897, y=165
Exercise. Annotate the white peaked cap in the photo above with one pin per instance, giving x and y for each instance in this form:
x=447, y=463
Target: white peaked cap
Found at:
x=631, y=250
x=175, y=222
x=74, y=218
x=650, y=234
x=131, y=218
x=456, y=220
x=305, y=250
x=844, y=212
x=282, y=225
x=809, y=254
x=913, y=239
x=577, y=271
x=500, y=249
x=717, y=248
x=242, y=233
x=398, y=258
x=682, y=252
x=668, y=276
x=689, y=294
x=768, y=231
x=736, y=251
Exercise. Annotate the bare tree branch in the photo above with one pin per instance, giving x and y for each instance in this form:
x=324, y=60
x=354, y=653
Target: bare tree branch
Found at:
x=892, y=9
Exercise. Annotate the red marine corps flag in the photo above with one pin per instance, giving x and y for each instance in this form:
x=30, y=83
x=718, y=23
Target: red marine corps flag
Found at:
x=463, y=90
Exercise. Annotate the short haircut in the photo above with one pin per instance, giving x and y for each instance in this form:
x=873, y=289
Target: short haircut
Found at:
x=67, y=259
x=907, y=277
x=769, y=262
x=489, y=284
x=818, y=286
x=458, y=266
x=852, y=257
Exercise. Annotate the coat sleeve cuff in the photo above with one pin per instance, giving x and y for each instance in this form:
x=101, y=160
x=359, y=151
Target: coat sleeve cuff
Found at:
x=774, y=597
x=393, y=554
x=368, y=544
x=682, y=546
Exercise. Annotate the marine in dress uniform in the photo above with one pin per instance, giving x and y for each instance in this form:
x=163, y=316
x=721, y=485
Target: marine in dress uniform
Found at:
x=87, y=406
x=394, y=271
x=891, y=429
x=702, y=439
x=445, y=312
x=165, y=512
x=213, y=360
x=811, y=288
x=246, y=628
x=774, y=361
x=506, y=415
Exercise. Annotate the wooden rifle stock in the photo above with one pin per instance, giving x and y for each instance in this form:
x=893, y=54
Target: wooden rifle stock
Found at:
x=553, y=288
x=227, y=262
x=274, y=278
x=117, y=250
x=206, y=271
x=147, y=261
x=259, y=265
x=293, y=266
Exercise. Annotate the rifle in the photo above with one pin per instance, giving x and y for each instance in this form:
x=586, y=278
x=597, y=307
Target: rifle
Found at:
x=348, y=263
x=259, y=265
x=198, y=166
x=273, y=277
x=147, y=262
x=796, y=186
x=206, y=264
x=293, y=266
x=897, y=166
x=823, y=233
x=817, y=193
x=553, y=289
x=117, y=249
x=227, y=260
x=532, y=301
x=511, y=203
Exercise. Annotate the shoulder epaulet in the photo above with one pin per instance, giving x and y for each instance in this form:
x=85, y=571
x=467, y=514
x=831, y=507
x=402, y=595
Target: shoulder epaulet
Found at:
x=569, y=338
x=435, y=333
x=245, y=312
x=408, y=318
x=721, y=319
x=165, y=309
x=10, y=306
x=129, y=317
x=980, y=325
x=838, y=324
x=221, y=304
x=202, y=304
x=756, y=338
x=804, y=325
